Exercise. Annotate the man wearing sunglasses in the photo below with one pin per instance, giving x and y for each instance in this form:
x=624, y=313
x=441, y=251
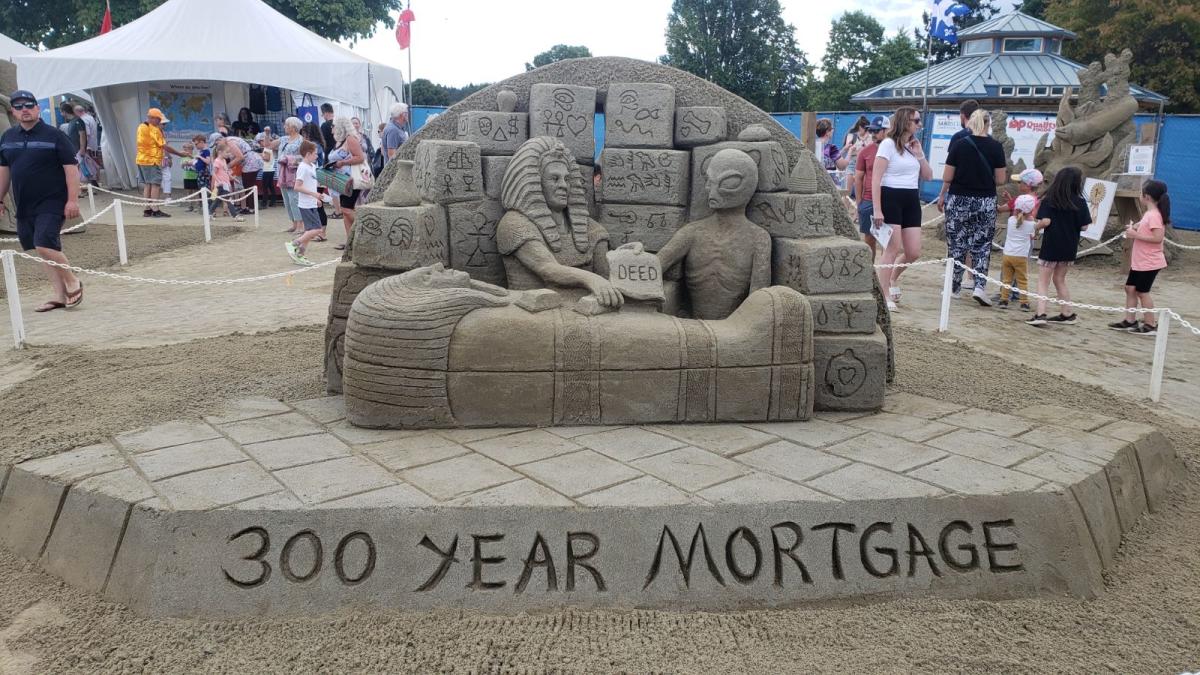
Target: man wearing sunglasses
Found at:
x=38, y=163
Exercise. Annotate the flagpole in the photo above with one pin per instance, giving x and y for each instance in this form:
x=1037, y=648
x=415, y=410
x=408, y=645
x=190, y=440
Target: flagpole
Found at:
x=925, y=90
x=410, y=77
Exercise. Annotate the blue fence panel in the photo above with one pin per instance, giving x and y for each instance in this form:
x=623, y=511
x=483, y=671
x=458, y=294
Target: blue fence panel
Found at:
x=420, y=114
x=1176, y=166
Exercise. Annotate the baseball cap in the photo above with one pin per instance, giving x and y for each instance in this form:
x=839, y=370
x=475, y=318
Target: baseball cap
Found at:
x=1030, y=177
x=155, y=112
x=879, y=123
x=22, y=94
x=1025, y=204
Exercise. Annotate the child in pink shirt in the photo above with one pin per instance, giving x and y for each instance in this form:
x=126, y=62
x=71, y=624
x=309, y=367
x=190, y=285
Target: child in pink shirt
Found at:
x=222, y=183
x=1146, y=258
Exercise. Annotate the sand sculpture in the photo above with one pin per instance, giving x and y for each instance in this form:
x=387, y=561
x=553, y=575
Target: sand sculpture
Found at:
x=1096, y=134
x=758, y=303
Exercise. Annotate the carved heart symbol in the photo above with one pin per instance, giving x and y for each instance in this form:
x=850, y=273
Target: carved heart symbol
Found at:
x=576, y=123
x=846, y=375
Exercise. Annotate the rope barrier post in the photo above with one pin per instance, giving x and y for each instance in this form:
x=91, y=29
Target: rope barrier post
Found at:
x=91, y=199
x=255, y=193
x=947, y=285
x=1160, y=355
x=119, y=216
x=204, y=211
x=14, y=299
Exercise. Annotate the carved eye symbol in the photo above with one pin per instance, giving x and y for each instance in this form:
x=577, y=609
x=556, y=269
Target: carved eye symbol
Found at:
x=730, y=182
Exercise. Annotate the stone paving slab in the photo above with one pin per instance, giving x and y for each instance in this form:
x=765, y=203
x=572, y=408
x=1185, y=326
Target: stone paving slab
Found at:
x=185, y=518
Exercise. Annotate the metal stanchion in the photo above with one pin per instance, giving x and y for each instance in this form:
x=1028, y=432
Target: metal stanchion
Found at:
x=14, y=299
x=255, y=188
x=119, y=216
x=91, y=199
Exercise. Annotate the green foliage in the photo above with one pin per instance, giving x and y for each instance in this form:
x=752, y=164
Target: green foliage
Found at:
x=1034, y=8
x=1162, y=34
x=558, y=53
x=56, y=23
x=857, y=58
x=981, y=10
x=743, y=46
x=426, y=92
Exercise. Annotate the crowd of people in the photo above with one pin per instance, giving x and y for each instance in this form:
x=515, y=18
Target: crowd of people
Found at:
x=888, y=166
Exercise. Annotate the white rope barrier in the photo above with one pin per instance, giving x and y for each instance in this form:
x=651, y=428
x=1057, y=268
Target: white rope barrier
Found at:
x=176, y=282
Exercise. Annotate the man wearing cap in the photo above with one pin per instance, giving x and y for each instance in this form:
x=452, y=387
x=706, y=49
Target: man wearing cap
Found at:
x=150, y=147
x=864, y=168
x=38, y=163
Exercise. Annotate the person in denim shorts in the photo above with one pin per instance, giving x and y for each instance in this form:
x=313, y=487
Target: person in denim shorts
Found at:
x=863, y=169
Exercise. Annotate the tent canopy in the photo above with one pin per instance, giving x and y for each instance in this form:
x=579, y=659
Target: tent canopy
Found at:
x=10, y=48
x=183, y=40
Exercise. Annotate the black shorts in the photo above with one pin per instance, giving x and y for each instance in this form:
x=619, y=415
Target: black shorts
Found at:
x=900, y=207
x=191, y=184
x=41, y=231
x=1141, y=280
x=349, y=201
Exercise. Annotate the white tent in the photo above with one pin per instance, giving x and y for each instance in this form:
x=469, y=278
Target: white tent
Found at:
x=205, y=47
x=10, y=48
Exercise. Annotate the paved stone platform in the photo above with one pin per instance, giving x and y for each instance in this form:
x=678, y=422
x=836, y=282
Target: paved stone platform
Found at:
x=269, y=508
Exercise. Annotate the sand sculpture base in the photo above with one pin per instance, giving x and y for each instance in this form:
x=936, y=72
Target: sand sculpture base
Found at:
x=269, y=508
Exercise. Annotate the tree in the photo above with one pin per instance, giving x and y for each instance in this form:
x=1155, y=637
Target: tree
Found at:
x=1034, y=8
x=425, y=92
x=744, y=47
x=857, y=58
x=56, y=23
x=980, y=11
x=558, y=53
x=1162, y=34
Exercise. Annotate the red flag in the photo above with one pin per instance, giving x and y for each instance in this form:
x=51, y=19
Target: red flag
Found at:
x=403, y=29
x=106, y=24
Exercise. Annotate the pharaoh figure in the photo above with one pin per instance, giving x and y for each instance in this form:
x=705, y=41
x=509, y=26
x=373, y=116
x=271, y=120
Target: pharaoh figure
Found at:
x=546, y=237
x=725, y=257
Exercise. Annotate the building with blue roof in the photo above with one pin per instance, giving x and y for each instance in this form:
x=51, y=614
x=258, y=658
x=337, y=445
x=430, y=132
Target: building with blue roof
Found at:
x=1012, y=61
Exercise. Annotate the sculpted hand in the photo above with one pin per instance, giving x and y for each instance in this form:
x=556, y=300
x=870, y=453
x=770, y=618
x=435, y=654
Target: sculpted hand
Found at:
x=608, y=295
x=71, y=210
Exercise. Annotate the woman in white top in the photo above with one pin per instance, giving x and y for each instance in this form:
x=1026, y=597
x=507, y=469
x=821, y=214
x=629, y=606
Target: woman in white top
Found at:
x=900, y=166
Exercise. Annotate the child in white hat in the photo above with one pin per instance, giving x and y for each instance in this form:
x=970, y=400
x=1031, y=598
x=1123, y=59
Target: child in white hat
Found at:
x=1018, y=243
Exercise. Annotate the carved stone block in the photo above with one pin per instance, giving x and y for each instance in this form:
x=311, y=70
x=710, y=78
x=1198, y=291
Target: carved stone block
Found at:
x=822, y=265
x=567, y=113
x=635, y=273
x=448, y=171
x=849, y=371
x=473, y=240
x=493, y=174
x=791, y=215
x=399, y=238
x=651, y=225
x=639, y=115
x=496, y=133
x=772, y=170
x=644, y=177
x=843, y=313
x=699, y=125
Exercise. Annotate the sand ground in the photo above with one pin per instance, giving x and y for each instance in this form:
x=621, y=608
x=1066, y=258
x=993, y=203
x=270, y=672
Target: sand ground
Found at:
x=92, y=371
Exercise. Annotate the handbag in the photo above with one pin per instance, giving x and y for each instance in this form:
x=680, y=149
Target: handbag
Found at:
x=361, y=176
x=333, y=181
x=307, y=110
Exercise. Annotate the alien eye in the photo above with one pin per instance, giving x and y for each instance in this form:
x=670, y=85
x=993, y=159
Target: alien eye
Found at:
x=730, y=182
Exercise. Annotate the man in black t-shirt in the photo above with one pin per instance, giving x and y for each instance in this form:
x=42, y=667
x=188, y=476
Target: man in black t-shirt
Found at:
x=328, y=141
x=38, y=163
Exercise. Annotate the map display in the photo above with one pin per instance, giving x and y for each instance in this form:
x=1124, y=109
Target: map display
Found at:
x=190, y=112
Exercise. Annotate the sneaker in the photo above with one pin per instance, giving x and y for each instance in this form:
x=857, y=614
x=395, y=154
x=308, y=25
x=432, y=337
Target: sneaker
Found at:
x=1002, y=304
x=147, y=213
x=894, y=293
x=301, y=260
x=1124, y=325
x=996, y=299
x=1063, y=319
x=891, y=305
x=161, y=214
x=1036, y=320
x=1025, y=307
x=293, y=252
x=1145, y=329
x=981, y=297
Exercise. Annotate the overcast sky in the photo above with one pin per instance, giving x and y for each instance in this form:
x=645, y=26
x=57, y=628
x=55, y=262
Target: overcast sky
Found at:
x=456, y=42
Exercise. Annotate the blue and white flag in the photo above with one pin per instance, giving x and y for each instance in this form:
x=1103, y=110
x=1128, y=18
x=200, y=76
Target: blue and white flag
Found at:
x=941, y=23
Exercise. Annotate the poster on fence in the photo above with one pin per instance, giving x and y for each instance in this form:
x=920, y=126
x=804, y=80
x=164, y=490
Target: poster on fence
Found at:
x=944, y=126
x=1026, y=131
x=1099, y=195
x=1141, y=159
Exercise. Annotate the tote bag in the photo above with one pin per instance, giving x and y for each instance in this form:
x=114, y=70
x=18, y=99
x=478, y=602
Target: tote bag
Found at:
x=307, y=110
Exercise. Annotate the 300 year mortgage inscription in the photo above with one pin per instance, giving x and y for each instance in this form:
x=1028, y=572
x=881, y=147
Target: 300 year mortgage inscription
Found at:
x=785, y=554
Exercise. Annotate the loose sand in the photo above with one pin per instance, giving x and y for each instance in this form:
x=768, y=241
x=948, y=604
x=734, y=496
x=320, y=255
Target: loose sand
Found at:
x=1147, y=621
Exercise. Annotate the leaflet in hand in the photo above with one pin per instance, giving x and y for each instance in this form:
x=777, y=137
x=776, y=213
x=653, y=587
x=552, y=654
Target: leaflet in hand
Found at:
x=882, y=233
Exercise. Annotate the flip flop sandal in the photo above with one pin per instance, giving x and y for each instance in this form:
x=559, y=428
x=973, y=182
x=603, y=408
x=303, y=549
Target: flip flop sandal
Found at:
x=73, y=299
x=319, y=238
x=49, y=305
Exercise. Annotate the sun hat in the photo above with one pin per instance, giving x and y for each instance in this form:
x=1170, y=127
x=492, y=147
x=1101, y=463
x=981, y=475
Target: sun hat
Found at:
x=155, y=112
x=1025, y=204
x=1030, y=177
